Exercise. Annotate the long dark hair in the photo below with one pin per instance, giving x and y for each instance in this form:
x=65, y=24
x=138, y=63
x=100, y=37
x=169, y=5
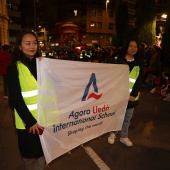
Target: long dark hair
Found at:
x=125, y=47
x=17, y=54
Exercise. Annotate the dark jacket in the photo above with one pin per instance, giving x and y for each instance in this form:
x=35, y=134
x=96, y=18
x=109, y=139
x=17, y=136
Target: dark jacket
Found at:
x=155, y=62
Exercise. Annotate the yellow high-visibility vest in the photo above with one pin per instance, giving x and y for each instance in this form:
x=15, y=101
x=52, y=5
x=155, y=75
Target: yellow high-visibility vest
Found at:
x=29, y=91
x=133, y=77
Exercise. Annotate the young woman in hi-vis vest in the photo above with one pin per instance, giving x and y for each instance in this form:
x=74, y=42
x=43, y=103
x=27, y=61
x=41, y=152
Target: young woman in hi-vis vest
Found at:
x=130, y=54
x=23, y=86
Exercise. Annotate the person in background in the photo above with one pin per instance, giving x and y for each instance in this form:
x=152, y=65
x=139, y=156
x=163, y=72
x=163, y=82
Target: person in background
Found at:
x=23, y=86
x=155, y=68
x=5, y=57
x=159, y=40
x=155, y=62
x=130, y=55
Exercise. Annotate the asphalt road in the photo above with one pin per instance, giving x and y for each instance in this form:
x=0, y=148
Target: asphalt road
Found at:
x=149, y=132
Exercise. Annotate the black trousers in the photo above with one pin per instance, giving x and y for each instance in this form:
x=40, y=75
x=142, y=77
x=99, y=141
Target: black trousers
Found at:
x=5, y=81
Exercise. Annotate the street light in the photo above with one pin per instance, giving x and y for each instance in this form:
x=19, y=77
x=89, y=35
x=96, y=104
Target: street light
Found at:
x=107, y=1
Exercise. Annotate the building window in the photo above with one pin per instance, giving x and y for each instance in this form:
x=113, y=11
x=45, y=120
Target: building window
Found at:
x=93, y=12
x=13, y=33
x=93, y=24
x=111, y=25
x=14, y=20
x=99, y=13
x=96, y=13
x=110, y=14
x=98, y=25
x=12, y=7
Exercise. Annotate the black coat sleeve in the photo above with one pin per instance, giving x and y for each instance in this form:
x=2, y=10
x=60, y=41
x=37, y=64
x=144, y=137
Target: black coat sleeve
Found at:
x=15, y=97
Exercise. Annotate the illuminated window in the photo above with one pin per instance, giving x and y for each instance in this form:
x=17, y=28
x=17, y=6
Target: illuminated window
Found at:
x=75, y=12
x=164, y=16
x=93, y=24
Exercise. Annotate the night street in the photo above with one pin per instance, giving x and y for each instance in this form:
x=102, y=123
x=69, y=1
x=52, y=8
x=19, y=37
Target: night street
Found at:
x=149, y=132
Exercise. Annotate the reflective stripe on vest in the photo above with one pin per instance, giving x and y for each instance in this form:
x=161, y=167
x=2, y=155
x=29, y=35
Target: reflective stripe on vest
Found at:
x=32, y=107
x=132, y=80
x=29, y=91
x=133, y=77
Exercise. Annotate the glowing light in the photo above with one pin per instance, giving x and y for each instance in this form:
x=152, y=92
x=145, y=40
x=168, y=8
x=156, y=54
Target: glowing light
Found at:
x=164, y=16
x=75, y=12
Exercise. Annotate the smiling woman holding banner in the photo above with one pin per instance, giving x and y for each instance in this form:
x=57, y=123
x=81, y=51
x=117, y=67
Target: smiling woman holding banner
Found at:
x=23, y=91
x=130, y=55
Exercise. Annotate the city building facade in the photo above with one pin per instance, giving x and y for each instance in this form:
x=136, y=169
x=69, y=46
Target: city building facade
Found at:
x=86, y=21
x=95, y=19
x=4, y=30
x=14, y=23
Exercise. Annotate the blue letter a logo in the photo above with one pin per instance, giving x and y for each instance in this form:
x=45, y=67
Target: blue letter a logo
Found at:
x=92, y=95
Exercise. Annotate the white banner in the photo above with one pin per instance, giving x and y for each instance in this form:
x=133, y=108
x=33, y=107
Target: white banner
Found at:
x=79, y=101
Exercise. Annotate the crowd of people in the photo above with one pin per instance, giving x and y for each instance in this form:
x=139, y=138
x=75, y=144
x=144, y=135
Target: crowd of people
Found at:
x=155, y=75
x=18, y=68
x=152, y=58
